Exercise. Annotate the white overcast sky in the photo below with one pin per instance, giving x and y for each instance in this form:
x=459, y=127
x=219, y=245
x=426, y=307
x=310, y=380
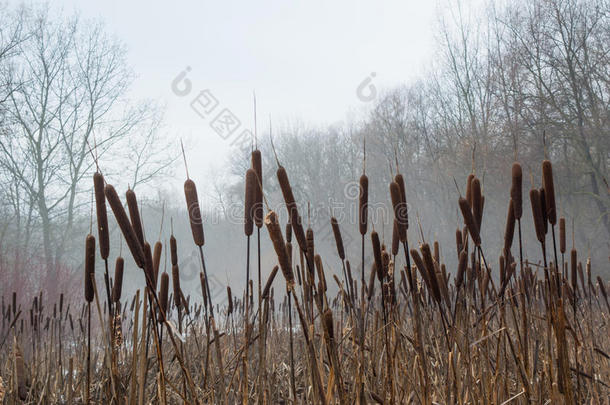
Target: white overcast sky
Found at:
x=305, y=59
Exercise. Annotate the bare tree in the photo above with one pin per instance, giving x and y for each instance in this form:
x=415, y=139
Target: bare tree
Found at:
x=70, y=99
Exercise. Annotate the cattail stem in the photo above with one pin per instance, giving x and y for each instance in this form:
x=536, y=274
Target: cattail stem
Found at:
x=292, y=378
x=88, y=388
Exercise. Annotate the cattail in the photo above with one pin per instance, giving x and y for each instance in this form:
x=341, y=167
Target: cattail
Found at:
x=537, y=213
x=400, y=210
x=291, y=206
x=328, y=323
x=363, y=204
x=385, y=260
x=516, y=192
x=437, y=252
x=459, y=242
x=545, y=219
x=320, y=269
x=549, y=190
x=126, y=228
x=403, y=198
x=371, y=286
x=428, y=262
x=377, y=253
x=134, y=214
x=310, y=247
x=275, y=233
x=562, y=235
x=469, y=189
x=419, y=263
x=89, y=266
x=509, y=231
x=338, y=238
x=288, y=233
x=192, y=204
x=395, y=238
x=249, y=201
x=204, y=290
x=257, y=165
x=469, y=220
x=463, y=263
x=573, y=272
x=163, y=292
x=102, y=217
x=477, y=202
x=156, y=259
x=230, y=301
x=117, y=287
x=173, y=248
x=269, y=282
x=176, y=283
x=148, y=267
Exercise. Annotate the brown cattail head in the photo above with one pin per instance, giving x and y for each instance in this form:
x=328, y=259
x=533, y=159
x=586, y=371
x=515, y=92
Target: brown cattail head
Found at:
x=249, y=201
x=164, y=292
x=173, y=249
x=371, y=286
x=176, y=283
x=269, y=282
x=229, y=301
x=257, y=165
x=403, y=198
x=126, y=228
x=562, y=235
x=509, y=231
x=134, y=214
x=310, y=246
x=89, y=266
x=117, y=287
x=537, y=213
x=469, y=189
x=338, y=238
x=192, y=205
x=463, y=263
x=574, y=264
x=400, y=210
x=377, y=253
x=549, y=190
x=363, y=204
x=429, y=263
x=459, y=242
x=204, y=293
x=148, y=267
x=328, y=323
x=385, y=260
x=395, y=238
x=419, y=263
x=477, y=202
x=516, y=191
x=288, y=233
x=545, y=219
x=321, y=275
x=291, y=206
x=156, y=259
x=275, y=233
x=102, y=217
x=469, y=220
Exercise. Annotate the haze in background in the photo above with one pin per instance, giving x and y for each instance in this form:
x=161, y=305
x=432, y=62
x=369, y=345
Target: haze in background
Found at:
x=304, y=59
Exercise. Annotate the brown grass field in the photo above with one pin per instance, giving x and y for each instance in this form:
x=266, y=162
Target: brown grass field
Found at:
x=510, y=331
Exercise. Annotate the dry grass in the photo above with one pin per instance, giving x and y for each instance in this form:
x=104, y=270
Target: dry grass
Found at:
x=517, y=334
